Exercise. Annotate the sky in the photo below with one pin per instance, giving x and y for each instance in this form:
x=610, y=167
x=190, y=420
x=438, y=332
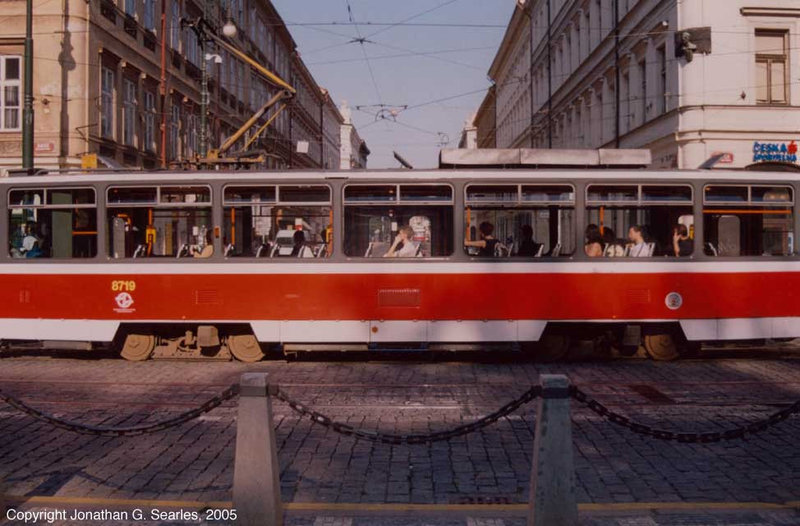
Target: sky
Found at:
x=441, y=50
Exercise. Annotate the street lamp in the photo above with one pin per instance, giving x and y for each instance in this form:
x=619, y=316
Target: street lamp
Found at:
x=229, y=29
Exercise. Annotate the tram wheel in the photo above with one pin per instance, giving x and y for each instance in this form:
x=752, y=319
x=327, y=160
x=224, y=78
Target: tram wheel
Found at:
x=661, y=347
x=138, y=347
x=245, y=348
x=552, y=347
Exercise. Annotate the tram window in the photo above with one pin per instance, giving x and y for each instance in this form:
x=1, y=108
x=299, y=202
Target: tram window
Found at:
x=52, y=223
x=165, y=222
x=426, y=193
x=262, y=222
x=304, y=194
x=726, y=194
x=492, y=193
x=548, y=193
x=374, y=193
x=611, y=193
x=526, y=221
x=132, y=195
x=760, y=224
x=372, y=225
x=250, y=194
x=616, y=217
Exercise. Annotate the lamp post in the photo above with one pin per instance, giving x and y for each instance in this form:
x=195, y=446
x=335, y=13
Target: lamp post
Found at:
x=27, y=80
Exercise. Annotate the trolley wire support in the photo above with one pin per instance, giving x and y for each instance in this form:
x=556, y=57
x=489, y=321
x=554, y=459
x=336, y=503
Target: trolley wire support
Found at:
x=688, y=438
x=398, y=439
x=108, y=431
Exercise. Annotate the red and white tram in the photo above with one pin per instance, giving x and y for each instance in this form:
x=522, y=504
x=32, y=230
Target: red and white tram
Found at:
x=188, y=263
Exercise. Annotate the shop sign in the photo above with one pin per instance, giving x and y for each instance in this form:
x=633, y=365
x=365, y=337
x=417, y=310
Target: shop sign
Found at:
x=775, y=151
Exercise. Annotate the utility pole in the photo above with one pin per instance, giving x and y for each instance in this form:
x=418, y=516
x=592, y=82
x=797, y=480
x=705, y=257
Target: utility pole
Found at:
x=27, y=108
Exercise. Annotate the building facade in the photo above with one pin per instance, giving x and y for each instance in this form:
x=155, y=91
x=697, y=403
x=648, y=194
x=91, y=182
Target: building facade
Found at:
x=615, y=73
x=122, y=79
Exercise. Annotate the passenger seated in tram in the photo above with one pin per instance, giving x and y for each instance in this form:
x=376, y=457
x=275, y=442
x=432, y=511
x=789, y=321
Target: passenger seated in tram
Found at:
x=613, y=248
x=299, y=248
x=527, y=246
x=403, y=245
x=29, y=248
x=593, y=246
x=486, y=243
x=682, y=245
x=638, y=247
x=208, y=249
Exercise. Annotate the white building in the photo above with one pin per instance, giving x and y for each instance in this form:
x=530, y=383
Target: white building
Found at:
x=614, y=75
x=353, y=150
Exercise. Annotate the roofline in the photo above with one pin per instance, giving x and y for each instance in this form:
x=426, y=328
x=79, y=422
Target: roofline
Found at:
x=505, y=45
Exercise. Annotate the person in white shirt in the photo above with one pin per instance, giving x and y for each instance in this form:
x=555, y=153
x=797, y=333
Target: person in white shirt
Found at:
x=639, y=248
x=403, y=246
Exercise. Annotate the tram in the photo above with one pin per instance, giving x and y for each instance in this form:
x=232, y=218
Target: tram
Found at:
x=243, y=264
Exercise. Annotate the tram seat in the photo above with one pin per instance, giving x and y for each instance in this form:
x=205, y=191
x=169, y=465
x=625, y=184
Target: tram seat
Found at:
x=501, y=251
x=141, y=251
x=321, y=251
x=711, y=249
x=368, y=252
x=556, y=251
x=229, y=249
x=418, y=253
x=274, y=251
x=263, y=249
x=627, y=252
x=540, y=252
x=184, y=248
x=651, y=247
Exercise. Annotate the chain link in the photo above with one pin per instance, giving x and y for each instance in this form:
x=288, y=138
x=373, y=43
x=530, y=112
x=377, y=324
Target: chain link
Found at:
x=690, y=438
x=392, y=438
x=84, y=429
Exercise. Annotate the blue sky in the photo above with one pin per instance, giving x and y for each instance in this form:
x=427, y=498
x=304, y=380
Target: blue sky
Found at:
x=412, y=64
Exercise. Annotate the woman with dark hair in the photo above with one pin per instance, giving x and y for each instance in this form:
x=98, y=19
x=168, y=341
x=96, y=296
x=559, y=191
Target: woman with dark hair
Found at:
x=527, y=246
x=486, y=243
x=594, y=241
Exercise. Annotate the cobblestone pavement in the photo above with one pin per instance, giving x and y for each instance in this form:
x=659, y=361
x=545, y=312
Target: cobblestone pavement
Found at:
x=194, y=462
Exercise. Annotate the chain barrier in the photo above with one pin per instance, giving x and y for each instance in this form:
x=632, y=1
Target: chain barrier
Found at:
x=395, y=439
x=154, y=427
x=689, y=438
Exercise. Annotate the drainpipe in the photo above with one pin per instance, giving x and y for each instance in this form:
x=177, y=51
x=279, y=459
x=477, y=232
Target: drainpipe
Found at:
x=163, y=84
x=616, y=75
x=549, y=81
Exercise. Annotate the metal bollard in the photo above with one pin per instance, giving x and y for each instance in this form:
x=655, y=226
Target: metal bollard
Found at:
x=552, y=499
x=256, y=472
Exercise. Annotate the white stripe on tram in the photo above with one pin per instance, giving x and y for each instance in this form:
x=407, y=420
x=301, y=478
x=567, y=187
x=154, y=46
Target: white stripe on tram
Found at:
x=408, y=268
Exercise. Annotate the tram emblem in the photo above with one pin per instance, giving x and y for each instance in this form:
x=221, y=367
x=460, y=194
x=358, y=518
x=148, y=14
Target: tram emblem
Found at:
x=124, y=301
x=673, y=301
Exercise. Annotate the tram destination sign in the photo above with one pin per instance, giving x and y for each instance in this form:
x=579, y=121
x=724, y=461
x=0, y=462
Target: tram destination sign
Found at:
x=785, y=152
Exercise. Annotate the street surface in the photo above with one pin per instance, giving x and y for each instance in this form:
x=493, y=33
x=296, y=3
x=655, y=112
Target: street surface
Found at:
x=478, y=480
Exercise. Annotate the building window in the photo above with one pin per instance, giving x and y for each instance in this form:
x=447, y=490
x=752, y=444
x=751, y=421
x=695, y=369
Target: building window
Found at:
x=10, y=102
x=174, y=129
x=643, y=92
x=129, y=112
x=661, y=99
x=149, y=21
x=175, y=25
x=771, y=62
x=192, y=45
x=107, y=103
x=191, y=135
x=130, y=7
x=149, y=121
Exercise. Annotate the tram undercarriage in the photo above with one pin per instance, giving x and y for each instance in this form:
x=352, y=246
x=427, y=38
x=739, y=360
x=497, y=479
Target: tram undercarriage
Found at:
x=660, y=341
